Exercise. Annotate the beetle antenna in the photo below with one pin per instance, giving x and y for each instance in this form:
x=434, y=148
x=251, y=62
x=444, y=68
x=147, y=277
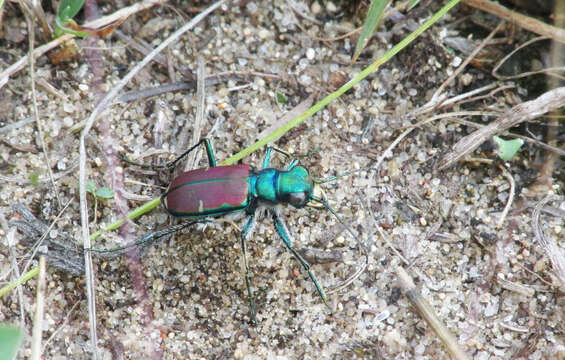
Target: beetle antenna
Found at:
x=359, y=271
x=347, y=173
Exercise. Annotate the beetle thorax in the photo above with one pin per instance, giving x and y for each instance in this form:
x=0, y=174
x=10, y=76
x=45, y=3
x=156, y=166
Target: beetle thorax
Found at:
x=274, y=186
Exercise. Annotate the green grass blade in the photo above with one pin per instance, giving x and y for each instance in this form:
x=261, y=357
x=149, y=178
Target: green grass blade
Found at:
x=374, y=16
x=283, y=129
x=25, y=277
x=325, y=101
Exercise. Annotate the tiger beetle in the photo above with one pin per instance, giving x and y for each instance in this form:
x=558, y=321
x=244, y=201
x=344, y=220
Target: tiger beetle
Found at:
x=220, y=190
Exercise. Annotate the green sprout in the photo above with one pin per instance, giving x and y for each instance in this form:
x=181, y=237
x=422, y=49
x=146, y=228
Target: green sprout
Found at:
x=507, y=148
x=104, y=192
x=10, y=338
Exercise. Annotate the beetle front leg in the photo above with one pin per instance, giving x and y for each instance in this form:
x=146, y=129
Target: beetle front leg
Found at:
x=247, y=232
x=282, y=230
x=267, y=158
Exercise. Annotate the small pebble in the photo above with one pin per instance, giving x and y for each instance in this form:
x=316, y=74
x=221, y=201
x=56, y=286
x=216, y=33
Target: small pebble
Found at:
x=316, y=8
x=330, y=6
x=310, y=54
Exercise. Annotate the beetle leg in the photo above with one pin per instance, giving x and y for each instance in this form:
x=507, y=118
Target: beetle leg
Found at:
x=267, y=158
x=292, y=164
x=246, y=233
x=172, y=164
x=282, y=230
x=209, y=153
x=147, y=239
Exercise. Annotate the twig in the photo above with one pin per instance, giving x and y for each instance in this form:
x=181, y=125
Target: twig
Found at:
x=462, y=67
x=62, y=326
x=389, y=243
x=430, y=106
x=525, y=111
x=89, y=275
x=16, y=125
x=289, y=115
x=552, y=250
x=526, y=22
x=388, y=151
x=536, y=275
x=38, y=120
x=194, y=158
x=140, y=45
x=39, y=312
x=122, y=13
x=510, y=195
x=190, y=84
x=112, y=175
x=51, y=89
x=545, y=177
x=44, y=235
x=453, y=115
x=320, y=256
x=136, y=95
x=60, y=254
x=427, y=312
x=162, y=121
x=516, y=287
x=466, y=95
x=554, y=149
x=15, y=270
x=548, y=71
x=42, y=179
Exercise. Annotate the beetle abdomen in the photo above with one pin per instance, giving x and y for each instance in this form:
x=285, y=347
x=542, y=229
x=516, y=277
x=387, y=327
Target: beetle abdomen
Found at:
x=213, y=191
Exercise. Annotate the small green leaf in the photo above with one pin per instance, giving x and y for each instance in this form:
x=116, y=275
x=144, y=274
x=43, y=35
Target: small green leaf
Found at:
x=34, y=179
x=359, y=352
x=104, y=193
x=90, y=187
x=281, y=98
x=374, y=15
x=68, y=9
x=10, y=337
x=507, y=148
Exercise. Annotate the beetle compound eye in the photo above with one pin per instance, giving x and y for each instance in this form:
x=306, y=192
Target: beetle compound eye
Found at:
x=298, y=199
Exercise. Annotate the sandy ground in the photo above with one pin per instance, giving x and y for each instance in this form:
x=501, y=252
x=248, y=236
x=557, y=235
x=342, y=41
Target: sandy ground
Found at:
x=185, y=298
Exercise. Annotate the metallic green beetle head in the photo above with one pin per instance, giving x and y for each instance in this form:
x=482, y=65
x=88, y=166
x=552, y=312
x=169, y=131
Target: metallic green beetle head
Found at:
x=295, y=186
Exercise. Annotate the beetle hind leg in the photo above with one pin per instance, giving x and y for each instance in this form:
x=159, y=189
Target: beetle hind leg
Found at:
x=246, y=232
x=148, y=239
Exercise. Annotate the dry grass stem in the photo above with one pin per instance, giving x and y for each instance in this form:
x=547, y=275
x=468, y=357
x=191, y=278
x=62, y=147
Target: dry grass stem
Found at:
x=553, y=251
x=511, y=195
x=39, y=311
x=428, y=314
x=525, y=111
x=526, y=22
x=464, y=64
x=99, y=23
